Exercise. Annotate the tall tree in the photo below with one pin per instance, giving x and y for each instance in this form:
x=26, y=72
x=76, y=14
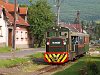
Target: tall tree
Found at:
x=40, y=18
x=97, y=31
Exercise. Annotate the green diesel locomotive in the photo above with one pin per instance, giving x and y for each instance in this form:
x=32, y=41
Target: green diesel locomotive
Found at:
x=63, y=44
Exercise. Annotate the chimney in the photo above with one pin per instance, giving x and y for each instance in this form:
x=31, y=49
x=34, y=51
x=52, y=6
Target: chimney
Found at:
x=78, y=16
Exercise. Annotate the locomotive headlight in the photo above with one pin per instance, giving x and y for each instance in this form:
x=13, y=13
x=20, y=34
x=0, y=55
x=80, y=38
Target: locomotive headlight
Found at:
x=64, y=43
x=48, y=43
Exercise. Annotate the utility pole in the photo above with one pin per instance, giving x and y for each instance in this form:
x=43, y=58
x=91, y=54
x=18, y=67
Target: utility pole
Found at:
x=58, y=3
x=58, y=11
x=14, y=27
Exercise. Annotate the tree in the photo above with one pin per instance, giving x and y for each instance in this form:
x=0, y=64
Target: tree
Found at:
x=40, y=18
x=97, y=31
x=23, y=5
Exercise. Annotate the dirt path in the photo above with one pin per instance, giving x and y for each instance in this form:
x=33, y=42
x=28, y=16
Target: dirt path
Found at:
x=17, y=71
x=5, y=71
x=21, y=53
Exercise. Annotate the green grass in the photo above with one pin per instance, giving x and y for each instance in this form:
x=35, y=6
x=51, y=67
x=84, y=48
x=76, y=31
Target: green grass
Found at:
x=5, y=49
x=13, y=62
x=84, y=65
x=19, y=61
x=98, y=49
x=36, y=55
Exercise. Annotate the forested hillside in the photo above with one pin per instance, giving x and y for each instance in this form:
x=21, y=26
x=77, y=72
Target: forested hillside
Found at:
x=89, y=9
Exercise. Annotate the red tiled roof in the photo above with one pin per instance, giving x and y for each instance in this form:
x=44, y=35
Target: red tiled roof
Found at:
x=9, y=7
x=70, y=27
x=23, y=10
x=73, y=27
x=1, y=2
x=20, y=20
x=10, y=17
x=78, y=27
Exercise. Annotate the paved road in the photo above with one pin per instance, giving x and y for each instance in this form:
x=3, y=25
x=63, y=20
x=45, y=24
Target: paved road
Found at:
x=21, y=53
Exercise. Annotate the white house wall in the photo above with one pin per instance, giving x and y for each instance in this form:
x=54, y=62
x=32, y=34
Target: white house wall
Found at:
x=3, y=29
x=22, y=38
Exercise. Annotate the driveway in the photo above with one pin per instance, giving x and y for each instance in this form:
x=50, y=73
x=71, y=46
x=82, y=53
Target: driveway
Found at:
x=21, y=53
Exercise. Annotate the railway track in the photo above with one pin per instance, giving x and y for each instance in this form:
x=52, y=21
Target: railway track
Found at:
x=53, y=68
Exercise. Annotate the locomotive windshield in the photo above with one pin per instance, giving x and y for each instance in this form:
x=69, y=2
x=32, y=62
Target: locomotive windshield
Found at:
x=51, y=34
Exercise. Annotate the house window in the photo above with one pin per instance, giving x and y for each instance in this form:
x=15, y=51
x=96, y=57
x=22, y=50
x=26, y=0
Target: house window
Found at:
x=0, y=31
x=26, y=35
x=22, y=39
x=17, y=39
x=22, y=36
x=16, y=31
x=17, y=35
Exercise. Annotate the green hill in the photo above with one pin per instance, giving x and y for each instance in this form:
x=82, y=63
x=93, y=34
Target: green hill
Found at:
x=89, y=9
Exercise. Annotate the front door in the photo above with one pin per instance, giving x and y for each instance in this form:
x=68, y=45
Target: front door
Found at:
x=10, y=37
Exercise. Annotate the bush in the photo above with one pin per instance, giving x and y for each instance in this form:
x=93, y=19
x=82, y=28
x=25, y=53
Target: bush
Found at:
x=91, y=67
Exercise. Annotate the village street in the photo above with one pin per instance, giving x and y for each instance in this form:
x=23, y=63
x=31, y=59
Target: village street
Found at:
x=21, y=53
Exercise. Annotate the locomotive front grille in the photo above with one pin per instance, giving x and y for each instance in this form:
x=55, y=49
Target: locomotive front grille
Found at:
x=56, y=58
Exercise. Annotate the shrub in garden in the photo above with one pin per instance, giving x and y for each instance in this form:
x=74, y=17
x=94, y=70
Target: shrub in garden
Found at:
x=90, y=68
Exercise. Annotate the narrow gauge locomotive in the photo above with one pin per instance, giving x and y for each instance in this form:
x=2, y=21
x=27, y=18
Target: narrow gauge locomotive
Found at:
x=63, y=44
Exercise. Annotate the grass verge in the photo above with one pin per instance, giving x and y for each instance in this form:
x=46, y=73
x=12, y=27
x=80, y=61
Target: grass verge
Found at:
x=24, y=64
x=5, y=49
x=37, y=55
x=13, y=62
x=98, y=49
x=84, y=66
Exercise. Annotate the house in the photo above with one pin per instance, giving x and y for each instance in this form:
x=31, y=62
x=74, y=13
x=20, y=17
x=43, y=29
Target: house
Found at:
x=22, y=36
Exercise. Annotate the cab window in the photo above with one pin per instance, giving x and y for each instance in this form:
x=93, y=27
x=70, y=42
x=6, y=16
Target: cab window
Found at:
x=50, y=34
